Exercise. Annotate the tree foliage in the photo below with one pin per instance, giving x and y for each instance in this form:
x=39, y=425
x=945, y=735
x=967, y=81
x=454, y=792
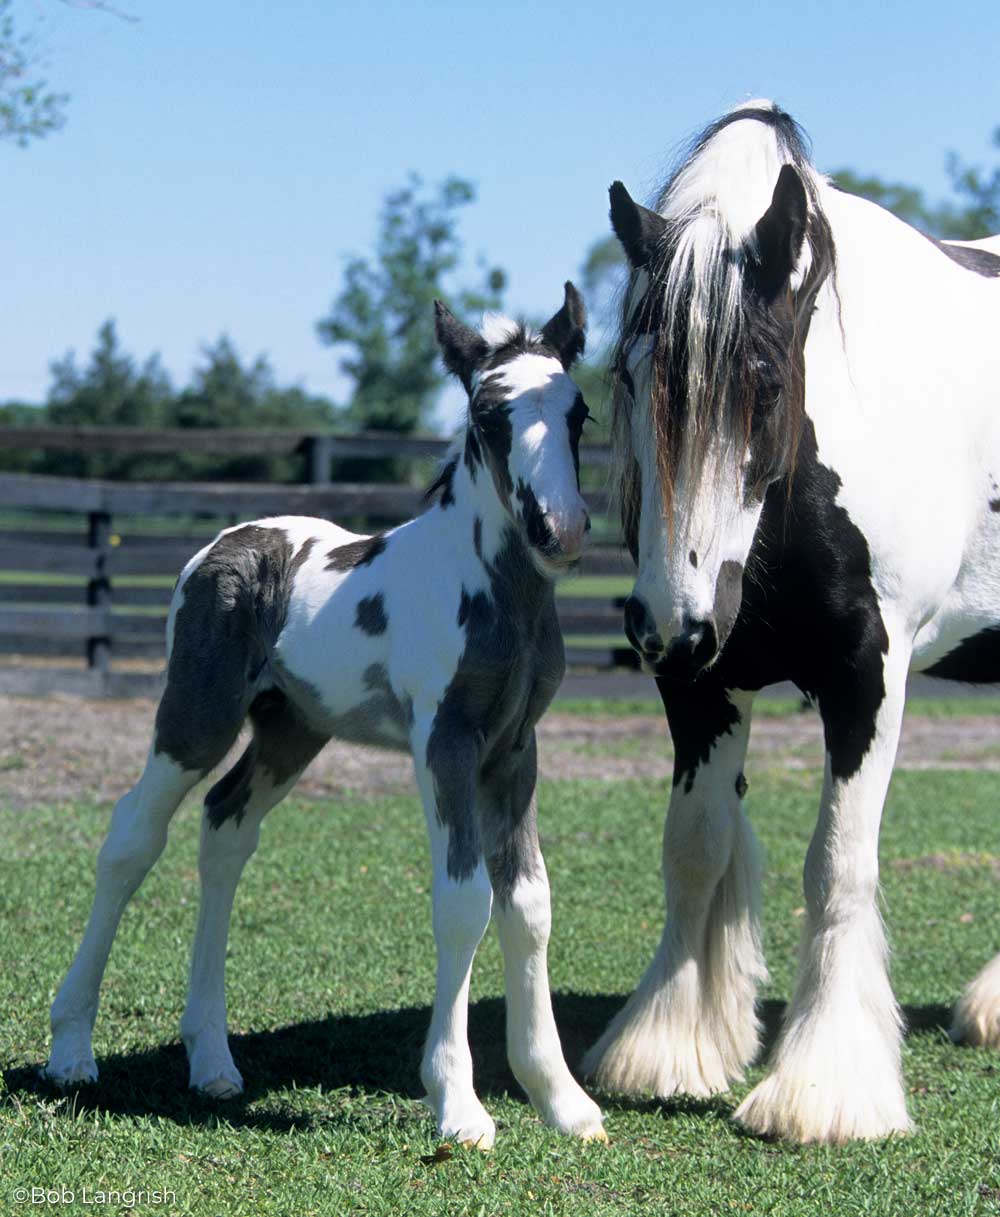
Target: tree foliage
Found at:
x=114, y=390
x=28, y=109
x=384, y=317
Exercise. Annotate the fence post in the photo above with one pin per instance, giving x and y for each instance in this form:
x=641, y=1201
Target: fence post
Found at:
x=99, y=589
x=319, y=453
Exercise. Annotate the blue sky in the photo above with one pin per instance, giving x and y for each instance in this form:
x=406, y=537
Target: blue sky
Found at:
x=221, y=160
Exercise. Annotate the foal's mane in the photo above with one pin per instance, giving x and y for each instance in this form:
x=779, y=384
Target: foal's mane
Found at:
x=716, y=350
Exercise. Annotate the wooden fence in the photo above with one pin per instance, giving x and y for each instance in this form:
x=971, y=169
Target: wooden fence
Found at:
x=84, y=573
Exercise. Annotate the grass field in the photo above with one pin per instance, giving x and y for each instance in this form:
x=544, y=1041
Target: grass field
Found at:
x=330, y=979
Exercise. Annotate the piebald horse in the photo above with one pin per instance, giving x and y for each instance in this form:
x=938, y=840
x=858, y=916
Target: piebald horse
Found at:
x=807, y=427
x=439, y=636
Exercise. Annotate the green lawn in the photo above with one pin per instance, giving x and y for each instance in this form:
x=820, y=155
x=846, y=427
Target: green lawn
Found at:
x=331, y=975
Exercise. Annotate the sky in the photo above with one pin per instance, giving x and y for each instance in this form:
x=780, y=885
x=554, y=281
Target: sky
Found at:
x=222, y=160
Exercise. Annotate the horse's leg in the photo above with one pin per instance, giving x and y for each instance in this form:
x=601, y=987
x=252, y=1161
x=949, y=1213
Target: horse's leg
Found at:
x=836, y=1073
x=691, y=1026
x=282, y=746
x=135, y=840
x=523, y=915
x=446, y=763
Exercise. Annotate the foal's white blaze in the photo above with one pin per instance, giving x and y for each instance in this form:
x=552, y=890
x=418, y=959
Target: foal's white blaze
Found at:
x=541, y=395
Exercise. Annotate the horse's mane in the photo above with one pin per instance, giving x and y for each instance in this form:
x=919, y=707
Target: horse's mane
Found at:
x=711, y=341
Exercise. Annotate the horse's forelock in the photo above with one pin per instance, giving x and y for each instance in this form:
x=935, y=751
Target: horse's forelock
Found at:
x=711, y=335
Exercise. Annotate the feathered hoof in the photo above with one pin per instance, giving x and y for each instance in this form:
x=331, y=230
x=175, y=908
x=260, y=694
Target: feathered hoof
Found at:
x=808, y=1113
x=976, y=1018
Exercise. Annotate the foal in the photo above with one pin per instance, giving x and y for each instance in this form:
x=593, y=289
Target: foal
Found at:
x=440, y=635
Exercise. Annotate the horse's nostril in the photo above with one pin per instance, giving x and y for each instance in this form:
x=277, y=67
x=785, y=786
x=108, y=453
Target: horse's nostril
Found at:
x=640, y=628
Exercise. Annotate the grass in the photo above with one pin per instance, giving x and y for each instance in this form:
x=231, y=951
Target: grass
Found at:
x=330, y=978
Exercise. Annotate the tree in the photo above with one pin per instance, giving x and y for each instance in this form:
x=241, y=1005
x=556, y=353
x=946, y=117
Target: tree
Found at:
x=224, y=393
x=384, y=315
x=111, y=391
x=27, y=109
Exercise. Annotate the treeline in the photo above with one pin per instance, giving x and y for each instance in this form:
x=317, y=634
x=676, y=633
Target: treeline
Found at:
x=381, y=326
x=113, y=389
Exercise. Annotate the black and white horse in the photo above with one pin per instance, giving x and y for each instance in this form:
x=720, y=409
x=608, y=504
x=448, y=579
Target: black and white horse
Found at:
x=440, y=636
x=807, y=419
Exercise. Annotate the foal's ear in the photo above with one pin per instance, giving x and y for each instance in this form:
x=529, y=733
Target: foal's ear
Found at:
x=566, y=331
x=462, y=347
x=639, y=229
x=780, y=232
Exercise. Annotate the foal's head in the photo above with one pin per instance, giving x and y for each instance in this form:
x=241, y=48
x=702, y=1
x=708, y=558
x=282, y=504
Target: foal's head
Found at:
x=525, y=419
x=709, y=373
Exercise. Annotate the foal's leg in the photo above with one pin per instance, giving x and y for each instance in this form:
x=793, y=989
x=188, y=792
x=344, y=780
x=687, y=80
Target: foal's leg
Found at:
x=136, y=839
x=836, y=1072
x=446, y=762
x=691, y=1027
x=234, y=808
x=524, y=917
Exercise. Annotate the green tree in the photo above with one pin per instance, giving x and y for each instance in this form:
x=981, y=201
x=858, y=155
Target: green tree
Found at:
x=28, y=110
x=384, y=317
x=111, y=391
x=225, y=393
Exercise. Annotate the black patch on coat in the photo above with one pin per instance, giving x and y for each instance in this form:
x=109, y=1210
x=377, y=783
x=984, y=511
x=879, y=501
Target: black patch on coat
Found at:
x=442, y=487
x=370, y=616
x=536, y=529
x=472, y=454
x=474, y=609
x=509, y=821
x=282, y=746
x=233, y=607
x=576, y=416
x=994, y=504
x=511, y=666
x=491, y=422
x=810, y=613
x=477, y=537
x=356, y=553
x=742, y=786
x=979, y=261
x=699, y=714
x=693, y=559
x=976, y=659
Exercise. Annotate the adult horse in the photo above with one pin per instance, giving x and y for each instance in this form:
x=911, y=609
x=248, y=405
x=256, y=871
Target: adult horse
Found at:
x=807, y=420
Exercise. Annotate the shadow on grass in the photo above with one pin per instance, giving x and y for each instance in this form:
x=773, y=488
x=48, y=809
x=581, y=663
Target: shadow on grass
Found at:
x=373, y=1052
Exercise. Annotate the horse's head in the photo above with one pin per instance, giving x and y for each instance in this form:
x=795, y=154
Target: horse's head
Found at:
x=525, y=419
x=708, y=396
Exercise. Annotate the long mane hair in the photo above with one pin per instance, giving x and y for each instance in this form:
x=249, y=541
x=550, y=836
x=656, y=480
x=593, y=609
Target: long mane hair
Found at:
x=716, y=352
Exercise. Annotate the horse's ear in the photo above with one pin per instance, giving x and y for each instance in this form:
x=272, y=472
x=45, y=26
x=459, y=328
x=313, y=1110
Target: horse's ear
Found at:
x=639, y=229
x=566, y=331
x=780, y=232
x=462, y=347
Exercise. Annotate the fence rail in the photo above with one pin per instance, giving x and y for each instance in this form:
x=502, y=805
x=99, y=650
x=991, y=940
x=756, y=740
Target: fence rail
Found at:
x=101, y=590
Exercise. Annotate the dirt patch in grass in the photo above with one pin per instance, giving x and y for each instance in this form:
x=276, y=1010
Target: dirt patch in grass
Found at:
x=63, y=748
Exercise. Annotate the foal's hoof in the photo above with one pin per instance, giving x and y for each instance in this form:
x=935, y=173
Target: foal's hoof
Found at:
x=74, y=1072
x=225, y=1086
